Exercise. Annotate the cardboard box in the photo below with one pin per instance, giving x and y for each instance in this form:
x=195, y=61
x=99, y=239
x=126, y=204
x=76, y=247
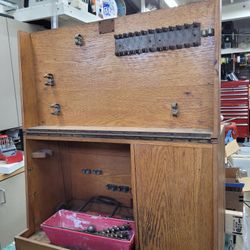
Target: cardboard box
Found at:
x=232, y=173
x=232, y=200
x=231, y=148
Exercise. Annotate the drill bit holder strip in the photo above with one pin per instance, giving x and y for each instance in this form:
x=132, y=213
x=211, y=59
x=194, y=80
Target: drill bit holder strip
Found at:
x=160, y=39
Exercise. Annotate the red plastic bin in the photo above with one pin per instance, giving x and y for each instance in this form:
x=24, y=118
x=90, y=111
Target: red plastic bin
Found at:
x=63, y=229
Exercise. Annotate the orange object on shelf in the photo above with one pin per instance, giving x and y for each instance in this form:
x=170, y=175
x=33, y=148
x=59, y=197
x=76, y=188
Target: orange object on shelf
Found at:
x=232, y=126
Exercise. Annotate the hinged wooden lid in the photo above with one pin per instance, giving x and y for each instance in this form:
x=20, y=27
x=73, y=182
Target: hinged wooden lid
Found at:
x=72, y=77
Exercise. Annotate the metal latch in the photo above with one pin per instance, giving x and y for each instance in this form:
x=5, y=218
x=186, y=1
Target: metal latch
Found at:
x=57, y=109
x=175, y=109
x=50, y=81
x=78, y=40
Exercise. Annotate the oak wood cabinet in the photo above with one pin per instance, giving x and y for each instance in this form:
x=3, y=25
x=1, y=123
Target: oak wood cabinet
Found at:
x=116, y=114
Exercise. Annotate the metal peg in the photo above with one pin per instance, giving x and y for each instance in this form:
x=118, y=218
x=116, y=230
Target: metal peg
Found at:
x=97, y=171
x=175, y=109
x=204, y=33
x=49, y=79
x=86, y=171
x=79, y=40
x=112, y=187
x=210, y=32
x=57, y=109
x=124, y=189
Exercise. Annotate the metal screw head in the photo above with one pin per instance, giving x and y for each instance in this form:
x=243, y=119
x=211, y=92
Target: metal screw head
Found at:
x=78, y=40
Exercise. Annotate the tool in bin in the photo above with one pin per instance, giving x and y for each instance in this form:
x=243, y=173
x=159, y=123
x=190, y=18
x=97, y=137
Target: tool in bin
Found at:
x=118, y=232
x=8, y=151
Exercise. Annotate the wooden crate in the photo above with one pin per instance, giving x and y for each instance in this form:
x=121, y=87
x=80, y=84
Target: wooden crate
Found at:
x=116, y=116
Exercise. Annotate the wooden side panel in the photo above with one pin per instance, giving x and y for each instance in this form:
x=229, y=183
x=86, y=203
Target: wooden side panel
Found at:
x=44, y=181
x=174, y=196
x=219, y=191
x=28, y=84
x=217, y=67
x=96, y=88
x=113, y=160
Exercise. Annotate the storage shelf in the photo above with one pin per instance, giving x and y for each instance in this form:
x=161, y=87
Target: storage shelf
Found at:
x=234, y=51
x=45, y=11
x=235, y=11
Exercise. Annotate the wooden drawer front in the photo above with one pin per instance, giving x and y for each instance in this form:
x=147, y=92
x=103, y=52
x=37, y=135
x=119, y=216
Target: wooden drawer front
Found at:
x=96, y=88
x=174, y=196
x=23, y=243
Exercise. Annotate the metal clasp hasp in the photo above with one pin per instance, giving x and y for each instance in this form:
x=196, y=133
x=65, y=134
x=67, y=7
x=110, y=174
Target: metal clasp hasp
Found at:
x=57, y=109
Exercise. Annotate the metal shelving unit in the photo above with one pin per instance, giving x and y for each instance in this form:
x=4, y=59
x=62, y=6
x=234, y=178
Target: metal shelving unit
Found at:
x=60, y=9
x=234, y=51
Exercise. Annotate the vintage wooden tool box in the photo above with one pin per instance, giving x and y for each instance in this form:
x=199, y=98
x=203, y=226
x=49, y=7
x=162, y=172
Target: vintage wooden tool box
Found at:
x=129, y=109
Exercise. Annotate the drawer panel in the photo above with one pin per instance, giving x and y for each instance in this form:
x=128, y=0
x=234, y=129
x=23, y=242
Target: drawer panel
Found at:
x=12, y=196
x=23, y=243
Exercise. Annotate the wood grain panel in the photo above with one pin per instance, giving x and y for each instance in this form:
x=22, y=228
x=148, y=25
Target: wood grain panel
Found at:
x=7, y=176
x=96, y=88
x=27, y=244
x=174, y=197
x=113, y=160
x=219, y=191
x=216, y=6
x=30, y=112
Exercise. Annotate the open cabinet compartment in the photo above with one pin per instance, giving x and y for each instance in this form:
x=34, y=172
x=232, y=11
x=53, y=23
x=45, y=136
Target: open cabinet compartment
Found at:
x=60, y=178
x=170, y=181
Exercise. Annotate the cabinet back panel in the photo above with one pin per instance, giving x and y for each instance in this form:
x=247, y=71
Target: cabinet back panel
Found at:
x=97, y=88
x=113, y=160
